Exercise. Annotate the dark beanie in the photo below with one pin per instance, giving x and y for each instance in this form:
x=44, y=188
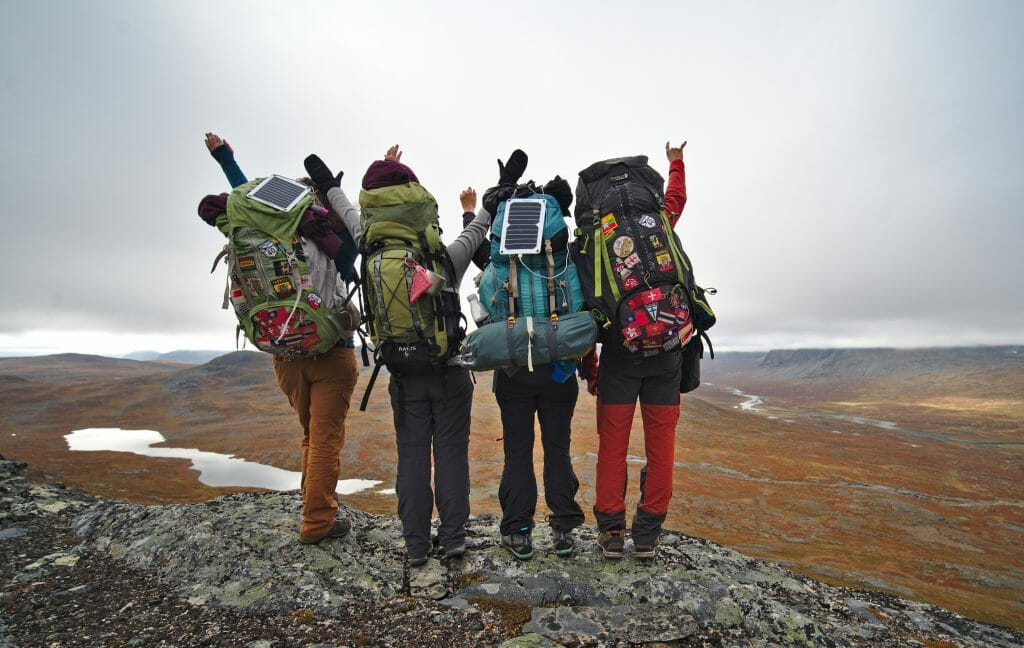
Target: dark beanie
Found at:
x=387, y=173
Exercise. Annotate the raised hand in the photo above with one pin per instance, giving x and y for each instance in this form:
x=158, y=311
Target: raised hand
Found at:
x=674, y=152
x=214, y=141
x=510, y=172
x=393, y=154
x=468, y=199
x=321, y=174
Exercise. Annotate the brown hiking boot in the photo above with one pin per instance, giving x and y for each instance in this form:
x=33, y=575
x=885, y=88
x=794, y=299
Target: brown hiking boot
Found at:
x=339, y=530
x=645, y=548
x=611, y=543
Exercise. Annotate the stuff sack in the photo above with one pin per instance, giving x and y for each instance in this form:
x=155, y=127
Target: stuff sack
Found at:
x=529, y=342
x=412, y=312
x=533, y=299
x=636, y=277
x=287, y=294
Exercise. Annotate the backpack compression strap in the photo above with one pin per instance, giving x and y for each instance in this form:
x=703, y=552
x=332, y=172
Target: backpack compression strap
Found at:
x=551, y=283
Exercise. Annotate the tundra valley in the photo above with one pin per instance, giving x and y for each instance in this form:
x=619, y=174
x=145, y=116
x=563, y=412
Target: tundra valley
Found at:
x=893, y=470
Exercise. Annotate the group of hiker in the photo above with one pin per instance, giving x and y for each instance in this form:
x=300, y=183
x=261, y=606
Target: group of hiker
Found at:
x=299, y=252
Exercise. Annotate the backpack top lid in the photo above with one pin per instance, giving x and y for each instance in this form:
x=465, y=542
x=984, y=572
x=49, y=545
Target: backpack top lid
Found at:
x=272, y=205
x=597, y=178
x=604, y=167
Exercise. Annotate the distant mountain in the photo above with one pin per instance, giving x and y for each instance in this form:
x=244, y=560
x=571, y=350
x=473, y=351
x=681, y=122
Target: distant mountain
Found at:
x=181, y=355
x=78, y=367
x=887, y=363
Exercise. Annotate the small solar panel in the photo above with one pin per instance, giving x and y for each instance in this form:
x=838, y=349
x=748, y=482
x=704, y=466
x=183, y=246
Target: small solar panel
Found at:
x=523, y=227
x=279, y=192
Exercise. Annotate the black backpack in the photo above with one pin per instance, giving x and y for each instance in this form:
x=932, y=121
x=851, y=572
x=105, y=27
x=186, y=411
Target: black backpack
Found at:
x=636, y=277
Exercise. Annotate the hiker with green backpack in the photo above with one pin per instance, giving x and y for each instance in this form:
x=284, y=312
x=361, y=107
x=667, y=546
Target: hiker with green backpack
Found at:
x=284, y=284
x=533, y=327
x=639, y=283
x=411, y=305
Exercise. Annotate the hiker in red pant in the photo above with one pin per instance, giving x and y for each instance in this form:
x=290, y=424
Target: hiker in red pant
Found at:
x=632, y=369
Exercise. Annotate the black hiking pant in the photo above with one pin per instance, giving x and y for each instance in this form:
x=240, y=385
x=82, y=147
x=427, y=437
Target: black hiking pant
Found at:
x=432, y=417
x=521, y=398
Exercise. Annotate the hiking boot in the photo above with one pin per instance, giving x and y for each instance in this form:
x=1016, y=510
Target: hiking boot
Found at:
x=455, y=552
x=644, y=549
x=417, y=560
x=518, y=544
x=564, y=544
x=611, y=543
x=339, y=530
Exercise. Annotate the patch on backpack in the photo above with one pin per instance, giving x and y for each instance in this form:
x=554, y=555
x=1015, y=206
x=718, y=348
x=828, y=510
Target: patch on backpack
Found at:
x=283, y=287
x=608, y=225
x=269, y=248
x=246, y=263
x=648, y=221
x=314, y=300
x=623, y=246
x=282, y=268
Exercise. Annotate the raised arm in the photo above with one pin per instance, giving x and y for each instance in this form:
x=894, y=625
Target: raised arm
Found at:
x=225, y=156
x=329, y=185
x=462, y=249
x=675, y=192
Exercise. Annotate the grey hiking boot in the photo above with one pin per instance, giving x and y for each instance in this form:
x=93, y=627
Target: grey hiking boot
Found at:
x=611, y=543
x=518, y=544
x=455, y=552
x=564, y=544
x=339, y=530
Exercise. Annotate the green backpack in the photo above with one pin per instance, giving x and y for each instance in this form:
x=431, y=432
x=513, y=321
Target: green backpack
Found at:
x=287, y=294
x=402, y=239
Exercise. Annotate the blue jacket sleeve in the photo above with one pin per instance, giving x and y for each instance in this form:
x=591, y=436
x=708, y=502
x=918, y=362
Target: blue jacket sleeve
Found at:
x=226, y=159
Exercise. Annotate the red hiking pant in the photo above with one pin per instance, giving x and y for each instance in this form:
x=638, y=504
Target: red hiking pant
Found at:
x=621, y=383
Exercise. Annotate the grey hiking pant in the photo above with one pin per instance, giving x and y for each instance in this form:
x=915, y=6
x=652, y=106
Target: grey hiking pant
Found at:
x=432, y=417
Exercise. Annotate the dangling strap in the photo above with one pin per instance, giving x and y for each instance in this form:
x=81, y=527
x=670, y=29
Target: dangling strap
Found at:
x=369, y=386
x=223, y=253
x=711, y=349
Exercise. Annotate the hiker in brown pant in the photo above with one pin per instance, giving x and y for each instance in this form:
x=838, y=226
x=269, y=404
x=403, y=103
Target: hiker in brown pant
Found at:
x=319, y=389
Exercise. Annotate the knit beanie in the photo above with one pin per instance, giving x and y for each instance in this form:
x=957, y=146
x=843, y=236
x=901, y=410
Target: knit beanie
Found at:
x=387, y=173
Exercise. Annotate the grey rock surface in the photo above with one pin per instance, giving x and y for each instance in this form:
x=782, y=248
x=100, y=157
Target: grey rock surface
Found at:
x=241, y=551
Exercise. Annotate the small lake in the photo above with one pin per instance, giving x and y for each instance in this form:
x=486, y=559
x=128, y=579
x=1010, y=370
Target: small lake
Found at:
x=214, y=469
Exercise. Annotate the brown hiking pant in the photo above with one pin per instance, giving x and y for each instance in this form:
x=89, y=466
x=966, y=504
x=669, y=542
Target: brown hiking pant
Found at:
x=320, y=389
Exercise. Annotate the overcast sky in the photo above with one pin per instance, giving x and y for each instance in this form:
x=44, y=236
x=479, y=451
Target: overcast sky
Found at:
x=854, y=169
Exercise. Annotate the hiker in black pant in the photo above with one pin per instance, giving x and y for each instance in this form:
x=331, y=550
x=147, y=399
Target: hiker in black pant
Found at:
x=547, y=394
x=524, y=397
x=431, y=409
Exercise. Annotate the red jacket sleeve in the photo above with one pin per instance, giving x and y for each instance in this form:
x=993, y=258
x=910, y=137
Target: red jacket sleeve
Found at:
x=675, y=193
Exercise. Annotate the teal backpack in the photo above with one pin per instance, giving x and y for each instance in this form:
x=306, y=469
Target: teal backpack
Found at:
x=536, y=312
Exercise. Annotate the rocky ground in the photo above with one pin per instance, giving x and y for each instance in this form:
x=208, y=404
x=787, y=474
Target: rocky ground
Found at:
x=78, y=571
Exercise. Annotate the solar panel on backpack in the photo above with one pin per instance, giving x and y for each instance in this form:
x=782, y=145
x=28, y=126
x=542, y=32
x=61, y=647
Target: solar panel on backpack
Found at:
x=524, y=226
x=279, y=192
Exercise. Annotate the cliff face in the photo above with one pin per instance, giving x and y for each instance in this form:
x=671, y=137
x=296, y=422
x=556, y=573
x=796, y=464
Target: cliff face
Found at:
x=239, y=553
